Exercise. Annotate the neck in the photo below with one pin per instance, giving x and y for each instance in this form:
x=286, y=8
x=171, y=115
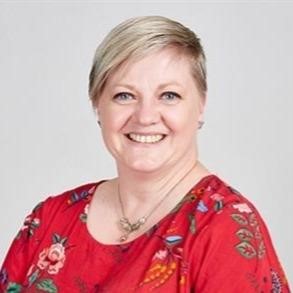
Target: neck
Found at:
x=137, y=188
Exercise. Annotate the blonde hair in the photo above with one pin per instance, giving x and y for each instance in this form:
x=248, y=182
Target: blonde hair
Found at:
x=135, y=38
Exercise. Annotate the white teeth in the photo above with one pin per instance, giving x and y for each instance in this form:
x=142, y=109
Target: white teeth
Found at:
x=146, y=138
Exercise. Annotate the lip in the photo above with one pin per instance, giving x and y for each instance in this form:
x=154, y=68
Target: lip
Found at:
x=147, y=134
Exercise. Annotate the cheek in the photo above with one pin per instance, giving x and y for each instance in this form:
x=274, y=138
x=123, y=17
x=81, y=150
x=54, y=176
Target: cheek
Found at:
x=183, y=120
x=111, y=120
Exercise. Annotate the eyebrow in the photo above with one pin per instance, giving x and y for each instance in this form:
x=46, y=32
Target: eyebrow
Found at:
x=161, y=86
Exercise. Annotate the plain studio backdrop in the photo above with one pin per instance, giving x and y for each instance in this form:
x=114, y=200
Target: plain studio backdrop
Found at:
x=49, y=138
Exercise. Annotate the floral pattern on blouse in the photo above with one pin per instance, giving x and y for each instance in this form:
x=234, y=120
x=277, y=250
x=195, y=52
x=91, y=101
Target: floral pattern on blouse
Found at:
x=210, y=233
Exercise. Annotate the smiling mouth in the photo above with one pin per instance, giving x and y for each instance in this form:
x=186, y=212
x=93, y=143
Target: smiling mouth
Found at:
x=143, y=138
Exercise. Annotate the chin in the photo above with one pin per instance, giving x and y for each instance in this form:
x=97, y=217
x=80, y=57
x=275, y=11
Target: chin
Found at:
x=145, y=166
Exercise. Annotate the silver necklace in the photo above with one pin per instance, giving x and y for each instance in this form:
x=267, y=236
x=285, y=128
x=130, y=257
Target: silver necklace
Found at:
x=124, y=222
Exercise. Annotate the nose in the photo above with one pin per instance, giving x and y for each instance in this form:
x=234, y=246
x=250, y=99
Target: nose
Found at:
x=147, y=113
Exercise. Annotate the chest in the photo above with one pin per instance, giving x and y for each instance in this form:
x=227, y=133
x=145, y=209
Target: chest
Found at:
x=157, y=259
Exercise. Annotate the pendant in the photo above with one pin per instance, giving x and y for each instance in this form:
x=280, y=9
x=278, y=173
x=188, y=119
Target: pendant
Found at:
x=123, y=238
x=129, y=228
x=125, y=224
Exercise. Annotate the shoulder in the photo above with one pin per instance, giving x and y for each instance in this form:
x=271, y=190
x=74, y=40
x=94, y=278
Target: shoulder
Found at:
x=56, y=210
x=227, y=223
x=75, y=194
x=223, y=208
x=232, y=236
x=68, y=200
x=215, y=195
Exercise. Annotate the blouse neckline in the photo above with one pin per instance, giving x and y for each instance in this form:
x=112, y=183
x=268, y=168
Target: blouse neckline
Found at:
x=95, y=241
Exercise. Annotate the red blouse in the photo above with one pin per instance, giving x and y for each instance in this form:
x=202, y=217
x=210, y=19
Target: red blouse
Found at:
x=214, y=240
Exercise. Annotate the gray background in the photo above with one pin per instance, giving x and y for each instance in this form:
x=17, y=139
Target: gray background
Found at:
x=49, y=138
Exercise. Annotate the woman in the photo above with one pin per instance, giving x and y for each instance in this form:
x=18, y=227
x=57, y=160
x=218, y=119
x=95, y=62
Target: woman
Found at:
x=165, y=223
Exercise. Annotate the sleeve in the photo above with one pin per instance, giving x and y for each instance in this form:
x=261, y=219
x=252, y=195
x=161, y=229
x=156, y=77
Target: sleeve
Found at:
x=237, y=254
x=22, y=250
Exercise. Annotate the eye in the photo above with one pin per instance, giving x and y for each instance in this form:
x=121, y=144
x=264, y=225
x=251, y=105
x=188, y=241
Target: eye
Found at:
x=171, y=97
x=123, y=97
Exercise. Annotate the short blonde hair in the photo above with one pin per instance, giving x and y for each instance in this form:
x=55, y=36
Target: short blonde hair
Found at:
x=135, y=38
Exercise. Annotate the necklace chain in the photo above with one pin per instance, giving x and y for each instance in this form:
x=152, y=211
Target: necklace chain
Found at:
x=124, y=222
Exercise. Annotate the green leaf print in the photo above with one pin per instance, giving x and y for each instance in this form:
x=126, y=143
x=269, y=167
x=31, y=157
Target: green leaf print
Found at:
x=246, y=250
x=218, y=205
x=47, y=285
x=63, y=241
x=192, y=227
x=56, y=238
x=13, y=288
x=33, y=277
x=244, y=234
x=239, y=219
x=83, y=217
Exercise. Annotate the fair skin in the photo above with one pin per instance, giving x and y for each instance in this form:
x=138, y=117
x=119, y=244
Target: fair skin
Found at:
x=149, y=112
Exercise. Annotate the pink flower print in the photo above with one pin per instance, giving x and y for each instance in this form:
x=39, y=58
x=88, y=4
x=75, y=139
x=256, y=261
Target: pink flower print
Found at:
x=29, y=223
x=161, y=254
x=30, y=270
x=29, y=226
x=217, y=196
x=242, y=208
x=36, y=221
x=92, y=190
x=52, y=258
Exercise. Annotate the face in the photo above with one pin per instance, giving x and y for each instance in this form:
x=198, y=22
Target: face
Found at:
x=149, y=112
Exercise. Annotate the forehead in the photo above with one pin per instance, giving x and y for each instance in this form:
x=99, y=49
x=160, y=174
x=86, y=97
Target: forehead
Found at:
x=160, y=66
